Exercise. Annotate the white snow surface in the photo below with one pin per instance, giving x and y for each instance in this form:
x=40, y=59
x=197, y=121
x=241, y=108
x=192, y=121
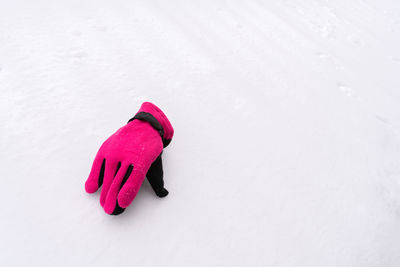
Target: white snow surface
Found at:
x=287, y=131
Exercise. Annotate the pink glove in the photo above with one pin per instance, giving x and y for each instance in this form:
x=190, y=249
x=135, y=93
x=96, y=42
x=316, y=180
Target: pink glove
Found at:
x=130, y=154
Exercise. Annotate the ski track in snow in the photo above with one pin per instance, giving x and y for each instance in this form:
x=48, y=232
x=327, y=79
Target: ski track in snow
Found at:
x=287, y=118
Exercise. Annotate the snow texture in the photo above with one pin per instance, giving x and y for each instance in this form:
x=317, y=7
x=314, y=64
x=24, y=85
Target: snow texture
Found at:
x=287, y=120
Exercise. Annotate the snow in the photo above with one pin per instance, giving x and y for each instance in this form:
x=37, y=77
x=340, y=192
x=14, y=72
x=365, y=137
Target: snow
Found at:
x=287, y=120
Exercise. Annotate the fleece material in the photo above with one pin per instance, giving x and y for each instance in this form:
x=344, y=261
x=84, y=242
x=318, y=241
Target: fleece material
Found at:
x=124, y=159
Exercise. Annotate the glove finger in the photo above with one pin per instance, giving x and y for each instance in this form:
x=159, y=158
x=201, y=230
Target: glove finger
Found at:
x=155, y=176
x=109, y=173
x=111, y=200
x=130, y=188
x=95, y=179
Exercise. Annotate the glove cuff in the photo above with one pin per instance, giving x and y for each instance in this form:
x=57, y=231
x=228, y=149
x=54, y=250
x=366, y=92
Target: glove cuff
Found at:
x=153, y=115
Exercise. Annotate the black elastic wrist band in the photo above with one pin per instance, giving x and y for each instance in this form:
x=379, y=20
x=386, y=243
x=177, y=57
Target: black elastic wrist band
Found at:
x=145, y=116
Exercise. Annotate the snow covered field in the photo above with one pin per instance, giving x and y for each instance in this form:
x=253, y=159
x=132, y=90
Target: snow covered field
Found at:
x=287, y=131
